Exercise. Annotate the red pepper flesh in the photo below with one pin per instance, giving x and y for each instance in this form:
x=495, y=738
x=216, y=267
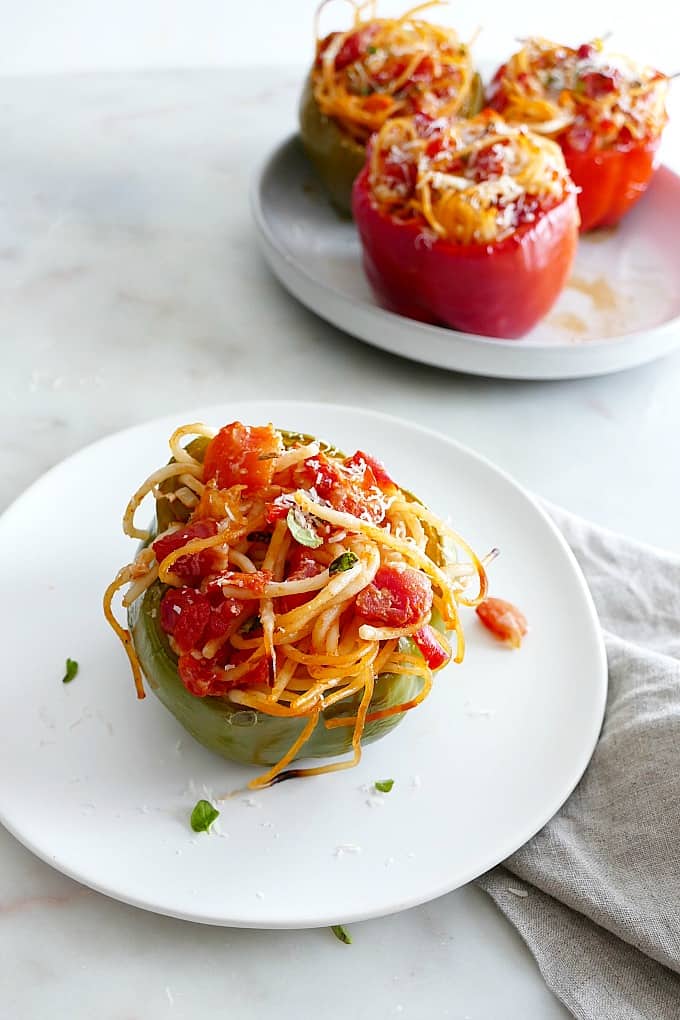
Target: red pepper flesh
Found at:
x=430, y=648
x=499, y=290
x=611, y=180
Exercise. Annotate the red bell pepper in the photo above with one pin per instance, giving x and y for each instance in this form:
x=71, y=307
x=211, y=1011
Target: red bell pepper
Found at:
x=610, y=180
x=613, y=130
x=500, y=288
x=431, y=648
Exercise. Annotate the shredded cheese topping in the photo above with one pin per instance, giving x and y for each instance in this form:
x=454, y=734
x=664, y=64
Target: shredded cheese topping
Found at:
x=585, y=96
x=387, y=67
x=472, y=181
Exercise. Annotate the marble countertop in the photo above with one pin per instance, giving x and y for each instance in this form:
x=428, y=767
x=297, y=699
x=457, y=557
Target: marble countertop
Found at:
x=131, y=285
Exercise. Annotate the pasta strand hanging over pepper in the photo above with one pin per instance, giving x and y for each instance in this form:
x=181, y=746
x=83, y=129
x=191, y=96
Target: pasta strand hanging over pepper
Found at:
x=312, y=595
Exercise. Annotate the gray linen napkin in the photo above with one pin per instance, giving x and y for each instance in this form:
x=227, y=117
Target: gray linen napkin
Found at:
x=602, y=914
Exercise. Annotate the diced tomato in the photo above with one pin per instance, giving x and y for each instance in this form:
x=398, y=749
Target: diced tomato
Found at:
x=489, y=162
x=377, y=103
x=194, y=566
x=390, y=71
x=224, y=618
x=218, y=503
x=184, y=614
x=350, y=490
x=425, y=71
x=204, y=677
x=434, y=146
x=278, y=509
x=255, y=582
x=580, y=138
x=585, y=51
x=242, y=455
x=430, y=648
x=598, y=84
x=258, y=674
x=504, y=620
x=397, y=598
x=377, y=467
x=301, y=566
x=351, y=50
x=399, y=174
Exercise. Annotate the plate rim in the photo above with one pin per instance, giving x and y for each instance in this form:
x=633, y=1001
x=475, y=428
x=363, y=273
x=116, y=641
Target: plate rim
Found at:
x=283, y=264
x=600, y=677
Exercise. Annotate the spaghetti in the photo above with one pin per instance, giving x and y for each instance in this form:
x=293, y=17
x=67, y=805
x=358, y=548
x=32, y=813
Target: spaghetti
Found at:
x=386, y=67
x=473, y=181
x=298, y=581
x=584, y=97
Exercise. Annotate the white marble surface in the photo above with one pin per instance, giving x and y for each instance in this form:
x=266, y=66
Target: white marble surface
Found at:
x=131, y=285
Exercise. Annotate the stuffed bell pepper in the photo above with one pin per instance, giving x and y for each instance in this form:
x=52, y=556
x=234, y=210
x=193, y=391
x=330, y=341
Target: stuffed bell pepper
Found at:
x=377, y=69
x=470, y=224
x=288, y=601
x=606, y=113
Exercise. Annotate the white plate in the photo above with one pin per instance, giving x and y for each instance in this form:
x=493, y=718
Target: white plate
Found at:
x=621, y=307
x=101, y=786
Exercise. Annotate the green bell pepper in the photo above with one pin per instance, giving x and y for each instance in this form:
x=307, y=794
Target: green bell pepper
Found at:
x=336, y=157
x=243, y=734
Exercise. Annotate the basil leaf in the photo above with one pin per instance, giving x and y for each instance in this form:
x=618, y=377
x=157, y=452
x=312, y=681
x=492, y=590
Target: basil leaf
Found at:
x=345, y=561
x=341, y=934
x=254, y=623
x=372, y=49
x=71, y=671
x=259, y=536
x=203, y=815
x=301, y=530
x=384, y=785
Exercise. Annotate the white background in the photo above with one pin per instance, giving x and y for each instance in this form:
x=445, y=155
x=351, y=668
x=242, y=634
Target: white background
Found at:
x=82, y=35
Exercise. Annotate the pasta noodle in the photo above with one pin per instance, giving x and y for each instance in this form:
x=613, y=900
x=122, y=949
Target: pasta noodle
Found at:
x=384, y=67
x=292, y=605
x=580, y=95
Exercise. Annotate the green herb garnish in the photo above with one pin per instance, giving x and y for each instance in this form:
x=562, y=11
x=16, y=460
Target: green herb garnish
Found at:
x=384, y=785
x=341, y=934
x=71, y=671
x=203, y=815
x=372, y=49
x=301, y=530
x=345, y=561
x=259, y=536
x=254, y=623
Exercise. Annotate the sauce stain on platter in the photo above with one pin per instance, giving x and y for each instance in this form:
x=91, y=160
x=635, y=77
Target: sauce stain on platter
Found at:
x=599, y=290
x=570, y=323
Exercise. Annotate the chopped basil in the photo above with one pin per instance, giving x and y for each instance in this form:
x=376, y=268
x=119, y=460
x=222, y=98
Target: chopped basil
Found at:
x=259, y=536
x=384, y=785
x=372, y=49
x=301, y=530
x=254, y=623
x=345, y=561
x=71, y=671
x=203, y=815
x=341, y=934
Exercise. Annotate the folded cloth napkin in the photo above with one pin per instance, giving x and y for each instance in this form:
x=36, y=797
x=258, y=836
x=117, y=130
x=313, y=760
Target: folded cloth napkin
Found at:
x=598, y=896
